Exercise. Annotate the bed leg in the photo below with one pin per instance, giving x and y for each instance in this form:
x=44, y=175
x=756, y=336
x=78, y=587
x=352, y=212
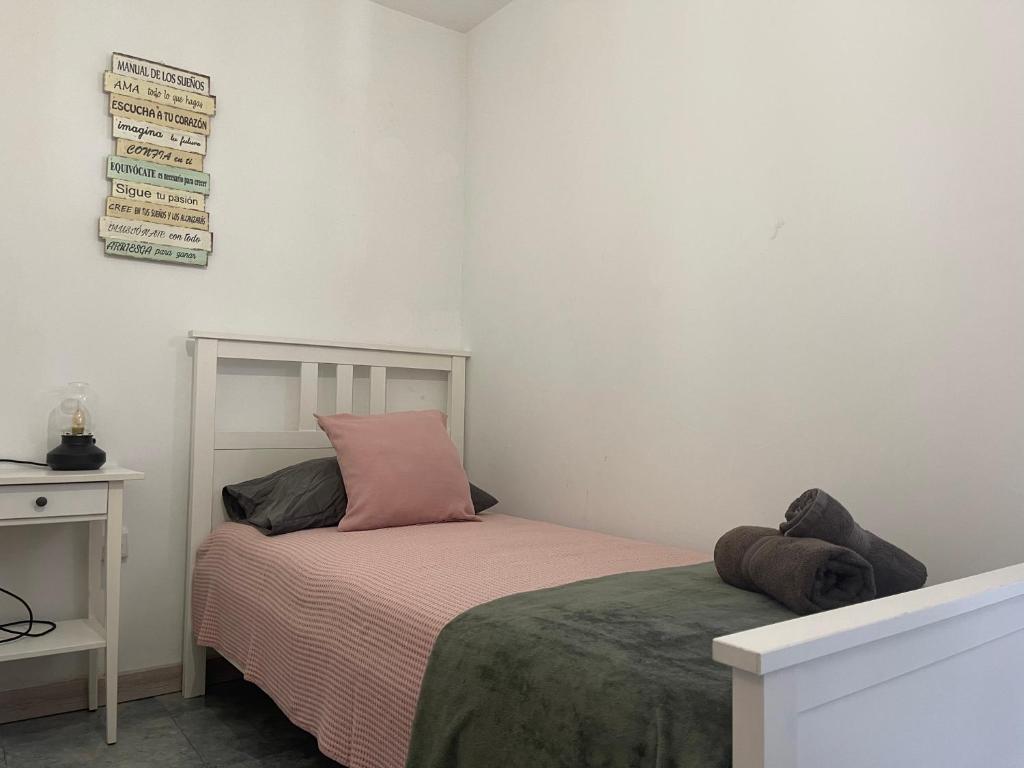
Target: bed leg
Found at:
x=193, y=671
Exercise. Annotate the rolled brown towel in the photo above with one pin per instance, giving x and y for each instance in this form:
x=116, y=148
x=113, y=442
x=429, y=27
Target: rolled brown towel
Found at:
x=805, y=575
x=817, y=515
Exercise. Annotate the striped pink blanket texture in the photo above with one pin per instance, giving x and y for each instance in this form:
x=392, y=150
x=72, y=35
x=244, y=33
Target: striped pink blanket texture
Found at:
x=338, y=627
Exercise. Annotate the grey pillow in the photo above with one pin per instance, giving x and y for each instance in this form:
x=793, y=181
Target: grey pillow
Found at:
x=481, y=499
x=306, y=495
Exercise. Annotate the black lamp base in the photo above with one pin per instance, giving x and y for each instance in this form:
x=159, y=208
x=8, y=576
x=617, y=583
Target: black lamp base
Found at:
x=76, y=452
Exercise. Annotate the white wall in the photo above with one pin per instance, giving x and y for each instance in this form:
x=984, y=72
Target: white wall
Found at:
x=337, y=204
x=722, y=252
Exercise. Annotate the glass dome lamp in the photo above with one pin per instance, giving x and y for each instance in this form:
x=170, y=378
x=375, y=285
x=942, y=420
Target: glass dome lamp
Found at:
x=73, y=423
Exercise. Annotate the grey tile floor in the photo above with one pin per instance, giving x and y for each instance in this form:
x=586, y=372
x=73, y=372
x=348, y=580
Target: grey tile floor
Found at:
x=234, y=726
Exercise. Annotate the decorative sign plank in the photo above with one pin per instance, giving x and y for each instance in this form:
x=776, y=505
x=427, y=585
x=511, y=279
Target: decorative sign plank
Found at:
x=156, y=234
x=161, y=94
x=139, y=150
x=118, y=207
x=151, y=112
x=126, y=128
x=160, y=175
x=156, y=72
x=156, y=252
x=147, y=193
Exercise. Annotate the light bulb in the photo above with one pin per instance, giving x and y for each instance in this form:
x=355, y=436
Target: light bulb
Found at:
x=78, y=422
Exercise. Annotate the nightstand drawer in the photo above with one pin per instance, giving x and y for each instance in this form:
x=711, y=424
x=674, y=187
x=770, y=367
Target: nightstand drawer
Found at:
x=52, y=500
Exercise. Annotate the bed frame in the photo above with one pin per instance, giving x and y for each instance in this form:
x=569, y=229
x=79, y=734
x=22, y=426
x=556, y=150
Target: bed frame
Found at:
x=929, y=678
x=219, y=457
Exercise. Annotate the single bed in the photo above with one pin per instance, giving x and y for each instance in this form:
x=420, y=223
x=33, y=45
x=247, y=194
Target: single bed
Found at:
x=338, y=628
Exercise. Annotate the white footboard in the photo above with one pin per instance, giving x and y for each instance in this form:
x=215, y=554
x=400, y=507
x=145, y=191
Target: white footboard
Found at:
x=929, y=678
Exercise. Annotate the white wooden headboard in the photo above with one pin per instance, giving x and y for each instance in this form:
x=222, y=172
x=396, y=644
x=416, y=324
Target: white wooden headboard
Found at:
x=221, y=457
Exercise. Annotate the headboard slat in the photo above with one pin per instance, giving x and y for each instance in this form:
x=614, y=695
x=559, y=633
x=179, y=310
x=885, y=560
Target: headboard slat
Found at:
x=378, y=389
x=343, y=391
x=457, y=403
x=308, y=374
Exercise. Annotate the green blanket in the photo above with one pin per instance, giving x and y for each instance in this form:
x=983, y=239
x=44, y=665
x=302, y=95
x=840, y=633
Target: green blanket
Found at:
x=604, y=673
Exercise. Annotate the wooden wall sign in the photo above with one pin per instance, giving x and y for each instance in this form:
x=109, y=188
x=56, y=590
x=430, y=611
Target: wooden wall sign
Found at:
x=147, y=193
x=156, y=72
x=160, y=175
x=161, y=117
x=157, y=234
x=161, y=94
x=161, y=136
x=118, y=207
x=156, y=252
x=137, y=149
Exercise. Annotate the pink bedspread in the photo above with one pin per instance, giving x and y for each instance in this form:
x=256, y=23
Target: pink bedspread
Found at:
x=337, y=627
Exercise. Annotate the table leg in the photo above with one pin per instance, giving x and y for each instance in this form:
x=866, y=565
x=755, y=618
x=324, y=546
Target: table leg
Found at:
x=115, y=505
x=96, y=612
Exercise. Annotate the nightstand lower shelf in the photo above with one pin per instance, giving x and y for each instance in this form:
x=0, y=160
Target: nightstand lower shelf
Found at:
x=68, y=637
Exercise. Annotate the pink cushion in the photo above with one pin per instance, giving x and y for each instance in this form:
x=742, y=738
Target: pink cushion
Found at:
x=398, y=469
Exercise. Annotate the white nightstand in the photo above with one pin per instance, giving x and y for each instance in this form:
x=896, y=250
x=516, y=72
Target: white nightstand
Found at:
x=34, y=496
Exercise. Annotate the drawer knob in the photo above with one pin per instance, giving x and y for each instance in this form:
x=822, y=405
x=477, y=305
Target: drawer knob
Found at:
x=41, y=502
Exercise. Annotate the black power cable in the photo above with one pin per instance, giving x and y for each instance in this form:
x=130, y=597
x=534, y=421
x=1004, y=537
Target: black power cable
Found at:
x=9, y=627
x=23, y=461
